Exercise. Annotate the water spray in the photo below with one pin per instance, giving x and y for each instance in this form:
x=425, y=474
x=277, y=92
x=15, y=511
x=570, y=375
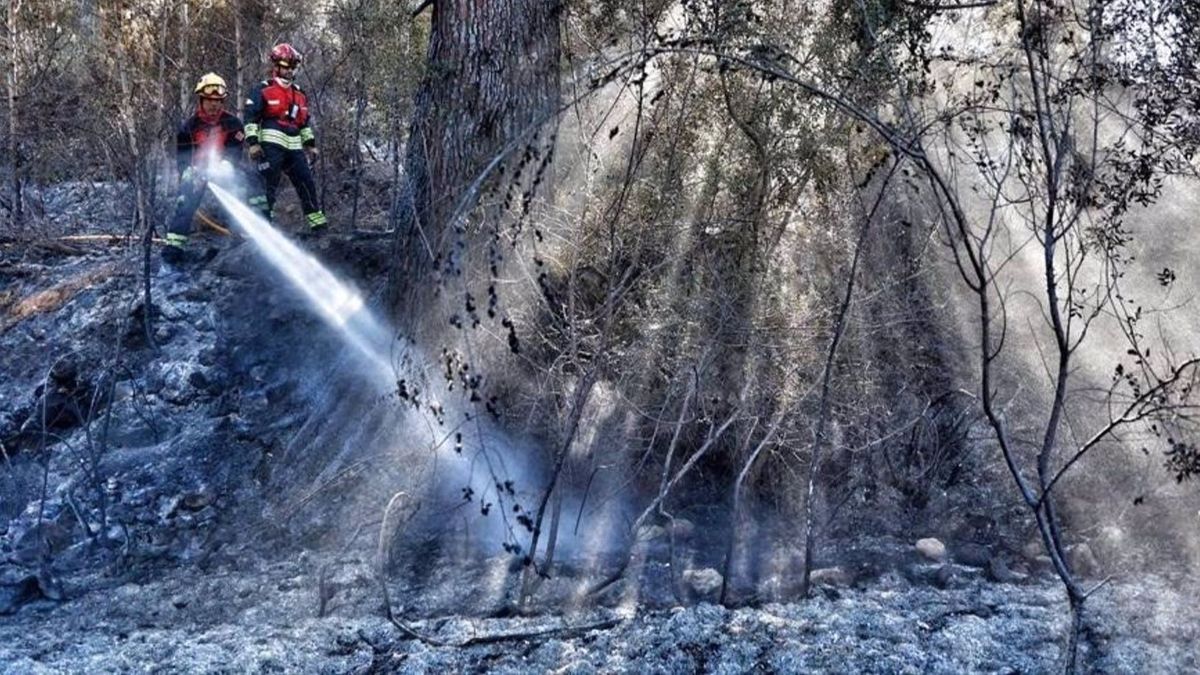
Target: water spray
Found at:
x=338, y=302
x=342, y=307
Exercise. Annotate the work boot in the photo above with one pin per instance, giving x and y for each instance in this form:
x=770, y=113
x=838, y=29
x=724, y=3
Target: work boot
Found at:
x=174, y=256
x=317, y=223
x=173, y=252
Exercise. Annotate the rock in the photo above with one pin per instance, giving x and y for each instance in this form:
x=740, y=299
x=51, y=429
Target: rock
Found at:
x=931, y=548
x=830, y=576
x=198, y=380
x=122, y=391
x=650, y=533
x=207, y=356
x=169, y=506
x=682, y=528
x=1033, y=550
x=999, y=572
x=49, y=584
x=218, y=381
x=920, y=574
x=177, y=382
x=14, y=596
x=973, y=555
x=705, y=583
x=953, y=575
x=206, y=515
x=65, y=371
x=946, y=576
x=168, y=310
x=44, y=540
x=194, y=501
x=831, y=594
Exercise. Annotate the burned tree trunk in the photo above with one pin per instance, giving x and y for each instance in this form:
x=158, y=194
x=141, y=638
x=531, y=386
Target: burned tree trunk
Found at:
x=16, y=213
x=492, y=77
x=239, y=67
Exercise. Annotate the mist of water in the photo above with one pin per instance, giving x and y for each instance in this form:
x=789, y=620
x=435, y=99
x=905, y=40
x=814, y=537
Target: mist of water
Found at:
x=482, y=459
x=336, y=301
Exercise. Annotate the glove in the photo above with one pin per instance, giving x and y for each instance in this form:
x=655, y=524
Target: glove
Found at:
x=255, y=152
x=189, y=176
x=312, y=153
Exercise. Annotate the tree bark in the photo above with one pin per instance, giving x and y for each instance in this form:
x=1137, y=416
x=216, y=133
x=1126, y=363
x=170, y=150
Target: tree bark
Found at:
x=239, y=67
x=16, y=213
x=492, y=75
x=185, y=30
x=360, y=109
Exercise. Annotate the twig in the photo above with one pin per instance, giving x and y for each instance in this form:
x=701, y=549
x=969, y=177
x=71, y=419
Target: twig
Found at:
x=421, y=8
x=714, y=435
x=387, y=530
x=561, y=631
x=1104, y=582
x=933, y=6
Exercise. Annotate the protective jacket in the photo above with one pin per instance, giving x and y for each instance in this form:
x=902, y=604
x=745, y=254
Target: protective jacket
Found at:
x=277, y=114
x=202, y=139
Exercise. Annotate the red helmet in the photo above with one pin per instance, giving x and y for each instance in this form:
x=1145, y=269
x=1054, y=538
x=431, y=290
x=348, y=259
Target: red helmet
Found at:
x=283, y=54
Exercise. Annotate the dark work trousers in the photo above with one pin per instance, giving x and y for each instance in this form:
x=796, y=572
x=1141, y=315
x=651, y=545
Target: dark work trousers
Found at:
x=277, y=161
x=191, y=194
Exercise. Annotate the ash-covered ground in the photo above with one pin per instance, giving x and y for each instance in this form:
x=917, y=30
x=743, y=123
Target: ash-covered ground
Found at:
x=155, y=517
x=261, y=616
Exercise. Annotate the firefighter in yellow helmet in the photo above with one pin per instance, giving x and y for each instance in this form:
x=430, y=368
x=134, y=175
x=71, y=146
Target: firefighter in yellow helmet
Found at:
x=212, y=135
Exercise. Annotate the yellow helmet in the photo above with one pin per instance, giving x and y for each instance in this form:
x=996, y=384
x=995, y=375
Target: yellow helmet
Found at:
x=212, y=85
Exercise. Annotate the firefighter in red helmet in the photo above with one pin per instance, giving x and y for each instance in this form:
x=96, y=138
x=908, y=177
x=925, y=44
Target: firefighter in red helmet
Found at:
x=279, y=138
x=210, y=138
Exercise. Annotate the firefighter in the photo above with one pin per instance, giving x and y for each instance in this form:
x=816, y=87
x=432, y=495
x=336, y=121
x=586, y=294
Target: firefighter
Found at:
x=212, y=135
x=279, y=139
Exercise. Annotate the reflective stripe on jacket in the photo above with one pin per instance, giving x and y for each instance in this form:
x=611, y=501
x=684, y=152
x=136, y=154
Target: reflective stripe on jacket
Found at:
x=278, y=114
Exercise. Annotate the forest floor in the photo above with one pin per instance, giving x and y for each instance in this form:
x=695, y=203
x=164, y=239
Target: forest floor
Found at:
x=150, y=539
x=262, y=617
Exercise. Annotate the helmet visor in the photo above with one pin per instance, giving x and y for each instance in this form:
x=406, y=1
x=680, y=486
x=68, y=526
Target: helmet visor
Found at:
x=217, y=91
x=286, y=64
